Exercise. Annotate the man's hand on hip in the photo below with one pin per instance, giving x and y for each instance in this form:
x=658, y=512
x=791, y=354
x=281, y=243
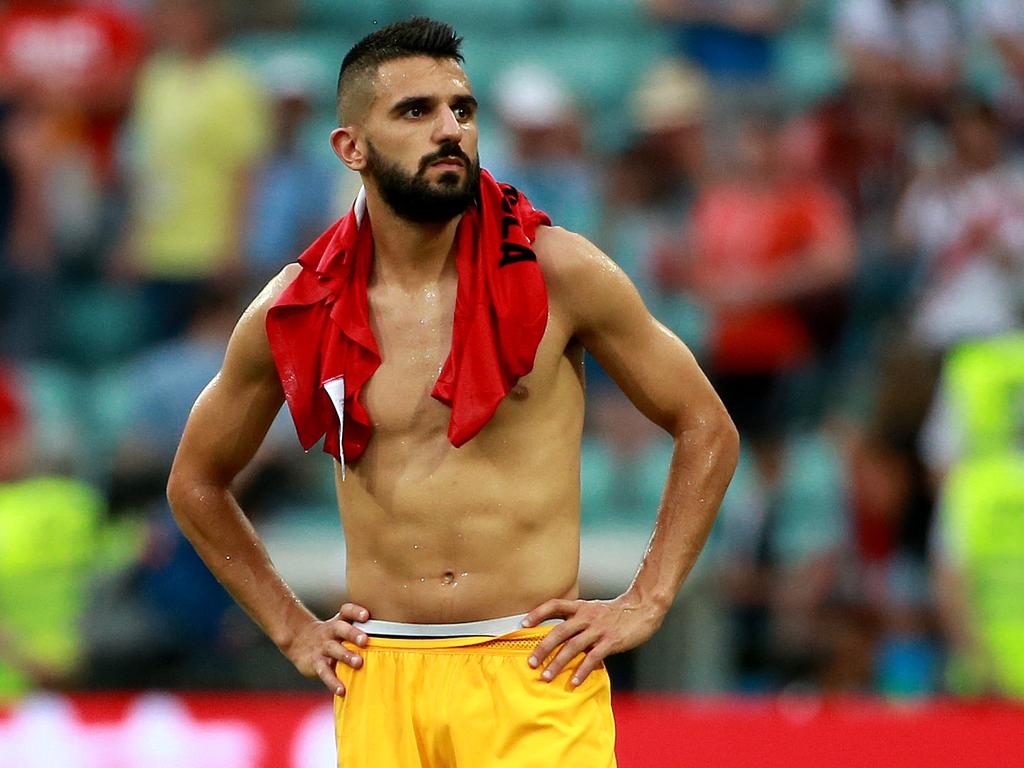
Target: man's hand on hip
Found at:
x=597, y=628
x=318, y=645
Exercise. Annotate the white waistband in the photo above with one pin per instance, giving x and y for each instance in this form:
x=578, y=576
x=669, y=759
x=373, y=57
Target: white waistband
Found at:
x=487, y=628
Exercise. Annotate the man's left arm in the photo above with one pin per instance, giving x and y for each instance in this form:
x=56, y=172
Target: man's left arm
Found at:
x=661, y=377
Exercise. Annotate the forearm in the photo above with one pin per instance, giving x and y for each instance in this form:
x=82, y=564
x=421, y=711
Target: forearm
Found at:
x=702, y=465
x=224, y=538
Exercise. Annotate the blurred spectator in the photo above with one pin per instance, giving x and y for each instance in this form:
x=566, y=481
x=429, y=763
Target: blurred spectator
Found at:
x=858, y=141
x=158, y=389
x=67, y=70
x=978, y=541
x=654, y=180
x=48, y=537
x=652, y=184
x=200, y=126
x=164, y=620
x=909, y=49
x=546, y=156
x=966, y=224
x=769, y=252
x=731, y=40
x=782, y=531
x=292, y=192
x=816, y=569
x=1001, y=24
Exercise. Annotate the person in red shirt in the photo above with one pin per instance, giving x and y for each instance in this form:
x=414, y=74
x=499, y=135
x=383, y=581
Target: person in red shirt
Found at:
x=767, y=246
x=67, y=74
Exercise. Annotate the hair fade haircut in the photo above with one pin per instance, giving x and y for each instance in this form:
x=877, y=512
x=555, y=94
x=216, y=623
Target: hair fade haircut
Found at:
x=418, y=36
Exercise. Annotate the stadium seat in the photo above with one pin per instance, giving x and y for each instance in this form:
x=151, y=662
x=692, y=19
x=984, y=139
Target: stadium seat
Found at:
x=597, y=474
x=111, y=407
x=608, y=15
x=648, y=472
x=494, y=16
x=322, y=51
x=54, y=391
x=809, y=66
x=100, y=323
x=353, y=17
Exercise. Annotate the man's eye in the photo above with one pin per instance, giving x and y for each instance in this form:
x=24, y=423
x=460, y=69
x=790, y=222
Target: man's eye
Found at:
x=414, y=112
x=462, y=113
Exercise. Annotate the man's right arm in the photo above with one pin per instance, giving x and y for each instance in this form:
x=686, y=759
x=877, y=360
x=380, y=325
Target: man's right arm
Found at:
x=226, y=427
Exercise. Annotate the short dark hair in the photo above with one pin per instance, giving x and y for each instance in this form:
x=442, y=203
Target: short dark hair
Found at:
x=418, y=36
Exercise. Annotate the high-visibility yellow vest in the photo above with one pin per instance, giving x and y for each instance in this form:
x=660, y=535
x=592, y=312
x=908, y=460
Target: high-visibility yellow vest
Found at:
x=983, y=513
x=48, y=529
x=985, y=381
x=983, y=500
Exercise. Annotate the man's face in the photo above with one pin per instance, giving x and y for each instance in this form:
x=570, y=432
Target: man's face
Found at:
x=420, y=139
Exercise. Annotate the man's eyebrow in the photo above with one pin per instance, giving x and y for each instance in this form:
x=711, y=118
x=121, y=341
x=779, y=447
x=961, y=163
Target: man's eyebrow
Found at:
x=429, y=101
x=413, y=101
x=466, y=100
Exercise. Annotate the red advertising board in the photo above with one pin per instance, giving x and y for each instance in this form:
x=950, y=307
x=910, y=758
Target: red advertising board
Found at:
x=266, y=730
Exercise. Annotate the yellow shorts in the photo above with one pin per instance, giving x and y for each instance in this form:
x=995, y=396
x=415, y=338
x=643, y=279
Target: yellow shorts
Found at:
x=469, y=702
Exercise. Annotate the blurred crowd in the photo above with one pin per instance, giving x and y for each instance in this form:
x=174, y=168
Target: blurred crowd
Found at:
x=846, y=261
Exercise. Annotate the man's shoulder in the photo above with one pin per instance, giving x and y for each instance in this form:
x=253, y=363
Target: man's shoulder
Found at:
x=272, y=291
x=565, y=256
x=279, y=284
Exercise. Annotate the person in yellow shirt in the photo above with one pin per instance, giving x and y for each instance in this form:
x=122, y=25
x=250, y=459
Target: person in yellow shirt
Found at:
x=199, y=127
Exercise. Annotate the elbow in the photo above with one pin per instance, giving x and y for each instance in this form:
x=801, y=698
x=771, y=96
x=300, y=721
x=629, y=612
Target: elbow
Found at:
x=178, y=487
x=727, y=441
x=714, y=432
x=184, y=490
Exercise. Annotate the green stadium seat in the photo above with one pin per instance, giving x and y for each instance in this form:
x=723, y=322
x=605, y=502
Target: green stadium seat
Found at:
x=494, y=16
x=809, y=66
x=648, y=472
x=354, y=17
x=599, y=68
x=100, y=323
x=597, y=473
x=323, y=52
x=112, y=407
x=56, y=410
x=609, y=15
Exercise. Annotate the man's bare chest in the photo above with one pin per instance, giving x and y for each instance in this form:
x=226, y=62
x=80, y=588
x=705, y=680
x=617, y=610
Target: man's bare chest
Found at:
x=414, y=335
x=414, y=339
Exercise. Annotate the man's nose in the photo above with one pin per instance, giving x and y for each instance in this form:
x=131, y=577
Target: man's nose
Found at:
x=447, y=127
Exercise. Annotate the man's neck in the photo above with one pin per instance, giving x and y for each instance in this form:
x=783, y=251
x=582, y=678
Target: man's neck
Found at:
x=409, y=254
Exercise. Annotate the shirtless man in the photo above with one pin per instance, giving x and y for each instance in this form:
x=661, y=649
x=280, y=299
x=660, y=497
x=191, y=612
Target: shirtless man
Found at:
x=475, y=546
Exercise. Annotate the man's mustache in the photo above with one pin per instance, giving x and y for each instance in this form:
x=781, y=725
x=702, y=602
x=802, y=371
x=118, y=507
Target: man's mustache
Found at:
x=446, y=150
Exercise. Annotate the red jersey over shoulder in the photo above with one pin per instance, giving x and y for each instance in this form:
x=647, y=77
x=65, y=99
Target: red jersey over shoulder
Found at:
x=325, y=351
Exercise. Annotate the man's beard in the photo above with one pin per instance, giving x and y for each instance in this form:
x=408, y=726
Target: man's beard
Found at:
x=417, y=199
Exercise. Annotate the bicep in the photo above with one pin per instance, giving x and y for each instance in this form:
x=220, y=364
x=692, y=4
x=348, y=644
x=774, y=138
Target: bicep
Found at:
x=227, y=425
x=233, y=413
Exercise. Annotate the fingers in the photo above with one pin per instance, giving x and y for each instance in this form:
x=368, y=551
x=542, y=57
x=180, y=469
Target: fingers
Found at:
x=550, y=610
x=325, y=671
x=345, y=631
x=336, y=650
x=552, y=640
x=353, y=612
x=573, y=648
x=590, y=663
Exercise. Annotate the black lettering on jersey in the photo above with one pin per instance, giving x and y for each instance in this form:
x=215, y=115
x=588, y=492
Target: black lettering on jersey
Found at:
x=512, y=253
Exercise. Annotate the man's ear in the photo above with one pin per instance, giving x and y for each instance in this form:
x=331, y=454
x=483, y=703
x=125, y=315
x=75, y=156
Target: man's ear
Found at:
x=346, y=147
